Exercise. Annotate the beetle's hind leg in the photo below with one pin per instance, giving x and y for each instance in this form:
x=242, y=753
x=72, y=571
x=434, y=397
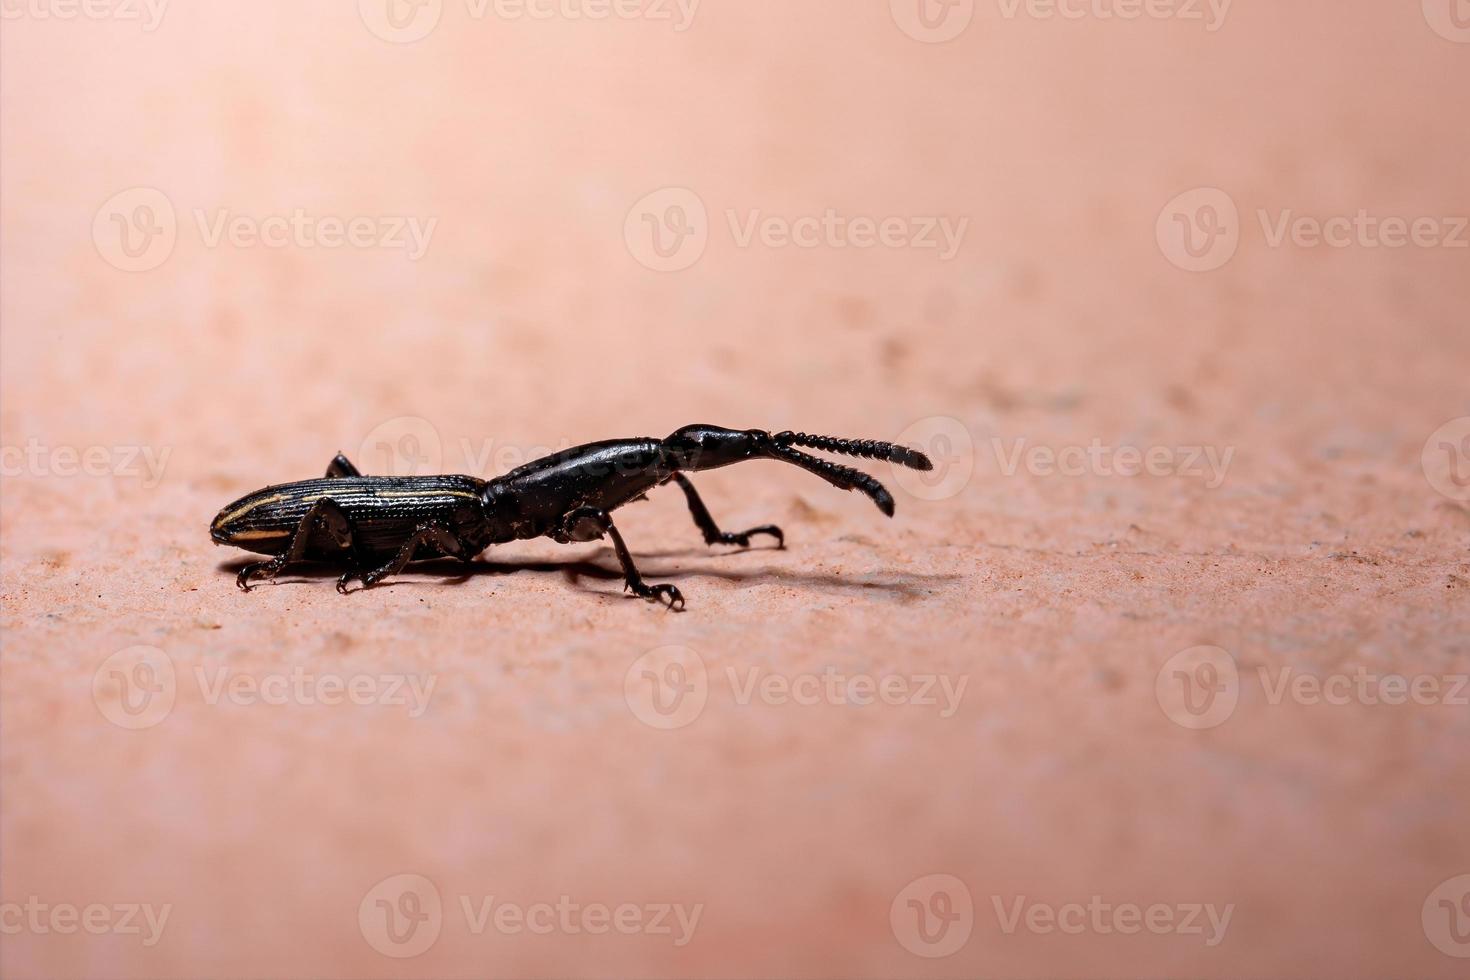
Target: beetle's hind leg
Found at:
x=590, y=523
x=434, y=533
x=341, y=466
x=326, y=514
x=711, y=530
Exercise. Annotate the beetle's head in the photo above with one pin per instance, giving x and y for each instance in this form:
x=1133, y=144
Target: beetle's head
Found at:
x=706, y=447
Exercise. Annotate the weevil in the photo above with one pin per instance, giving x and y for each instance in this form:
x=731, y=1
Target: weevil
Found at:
x=375, y=525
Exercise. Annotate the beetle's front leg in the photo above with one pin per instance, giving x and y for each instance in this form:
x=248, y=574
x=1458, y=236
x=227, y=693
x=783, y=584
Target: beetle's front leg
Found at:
x=587, y=523
x=432, y=532
x=711, y=530
x=326, y=513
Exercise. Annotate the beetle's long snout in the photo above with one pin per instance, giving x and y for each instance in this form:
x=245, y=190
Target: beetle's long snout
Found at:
x=707, y=447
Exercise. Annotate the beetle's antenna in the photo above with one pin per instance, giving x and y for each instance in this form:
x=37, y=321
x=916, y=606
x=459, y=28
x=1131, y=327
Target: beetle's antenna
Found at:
x=865, y=448
x=841, y=477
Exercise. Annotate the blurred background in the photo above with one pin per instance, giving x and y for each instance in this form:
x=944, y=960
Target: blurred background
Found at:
x=1031, y=236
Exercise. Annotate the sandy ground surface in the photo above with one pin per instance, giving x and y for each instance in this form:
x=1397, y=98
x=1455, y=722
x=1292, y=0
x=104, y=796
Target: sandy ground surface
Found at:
x=519, y=771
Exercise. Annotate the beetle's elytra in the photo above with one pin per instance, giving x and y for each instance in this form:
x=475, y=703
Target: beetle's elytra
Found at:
x=377, y=524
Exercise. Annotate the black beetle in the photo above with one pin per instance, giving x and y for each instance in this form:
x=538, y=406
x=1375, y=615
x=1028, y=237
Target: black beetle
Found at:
x=378, y=524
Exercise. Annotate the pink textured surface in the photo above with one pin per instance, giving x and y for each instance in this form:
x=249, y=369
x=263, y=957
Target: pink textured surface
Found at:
x=530, y=322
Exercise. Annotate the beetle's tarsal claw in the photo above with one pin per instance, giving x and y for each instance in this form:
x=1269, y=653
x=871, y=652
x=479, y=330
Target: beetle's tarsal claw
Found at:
x=249, y=572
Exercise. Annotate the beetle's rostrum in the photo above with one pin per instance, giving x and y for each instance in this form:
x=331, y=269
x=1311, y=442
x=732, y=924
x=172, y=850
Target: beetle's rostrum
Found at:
x=375, y=525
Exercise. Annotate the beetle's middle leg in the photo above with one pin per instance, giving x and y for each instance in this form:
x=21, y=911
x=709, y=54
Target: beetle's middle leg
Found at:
x=326, y=513
x=434, y=533
x=711, y=530
x=590, y=523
